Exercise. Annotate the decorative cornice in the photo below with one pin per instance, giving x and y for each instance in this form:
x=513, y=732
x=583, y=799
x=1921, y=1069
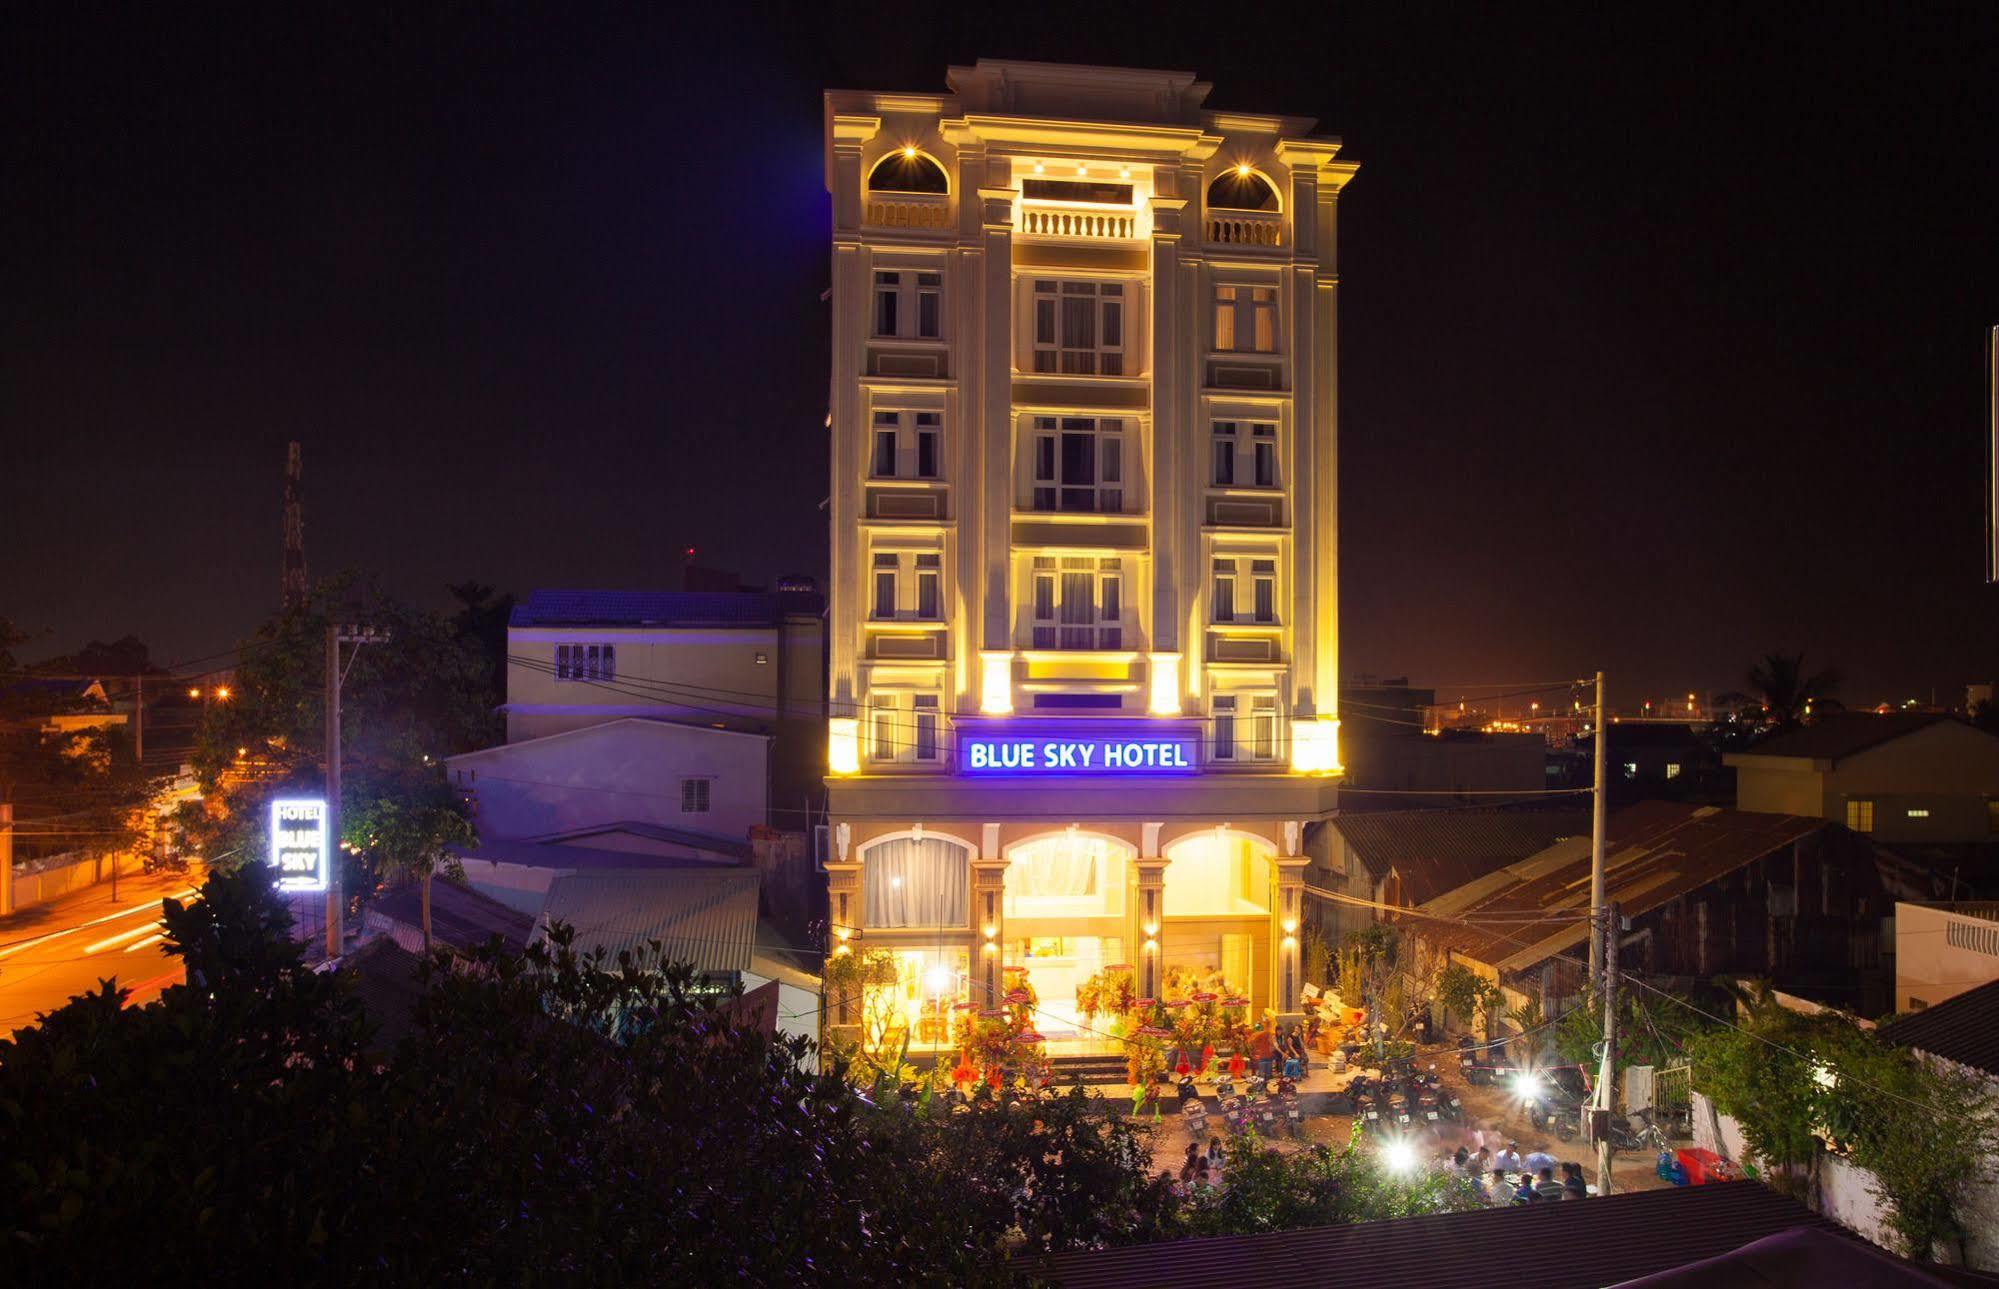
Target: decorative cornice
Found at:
x=851, y=132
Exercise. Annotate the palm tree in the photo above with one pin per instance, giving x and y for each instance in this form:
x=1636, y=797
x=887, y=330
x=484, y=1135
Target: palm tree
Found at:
x=1782, y=695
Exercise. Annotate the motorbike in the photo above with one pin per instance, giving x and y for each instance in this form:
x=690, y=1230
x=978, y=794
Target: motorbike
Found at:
x=1294, y=1116
x=1195, y=1115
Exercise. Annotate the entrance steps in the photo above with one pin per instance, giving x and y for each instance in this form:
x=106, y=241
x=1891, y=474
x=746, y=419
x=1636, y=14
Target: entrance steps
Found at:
x=1088, y=1070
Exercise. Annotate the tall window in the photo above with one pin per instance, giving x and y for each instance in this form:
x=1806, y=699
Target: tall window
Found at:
x=1078, y=602
x=1079, y=328
x=1263, y=590
x=906, y=445
x=1225, y=605
x=1079, y=464
x=908, y=586
x=909, y=304
x=1263, y=446
x=1230, y=440
x=1246, y=319
x=586, y=662
x=1224, y=588
x=1226, y=442
x=1860, y=816
x=694, y=796
x=906, y=728
x=1243, y=727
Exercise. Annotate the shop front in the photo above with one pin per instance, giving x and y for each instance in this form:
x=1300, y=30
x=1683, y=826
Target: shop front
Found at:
x=988, y=890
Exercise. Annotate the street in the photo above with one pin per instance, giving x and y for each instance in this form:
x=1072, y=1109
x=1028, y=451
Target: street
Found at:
x=52, y=952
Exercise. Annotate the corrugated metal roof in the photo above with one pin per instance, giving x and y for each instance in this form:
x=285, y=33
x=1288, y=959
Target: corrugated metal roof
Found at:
x=1842, y=734
x=1656, y=851
x=708, y=918
x=1570, y=1245
x=1964, y=1029
x=1440, y=850
x=459, y=916
x=575, y=608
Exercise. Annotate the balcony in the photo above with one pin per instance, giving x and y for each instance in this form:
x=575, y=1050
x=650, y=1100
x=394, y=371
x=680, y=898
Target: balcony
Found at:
x=1079, y=223
x=923, y=211
x=1246, y=228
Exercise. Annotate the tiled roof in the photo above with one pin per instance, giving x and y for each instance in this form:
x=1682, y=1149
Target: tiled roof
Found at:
x=1842, y=734
x=1591, y=1242
x=1964, y=1029
x=708, y=918
x=1441, y=850
x=459, y=916
x=385, y=982
x=1655, y=852
x=569, y=608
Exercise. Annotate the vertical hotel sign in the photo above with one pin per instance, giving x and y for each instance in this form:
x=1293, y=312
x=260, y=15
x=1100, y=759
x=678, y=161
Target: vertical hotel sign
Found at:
x=299, y=845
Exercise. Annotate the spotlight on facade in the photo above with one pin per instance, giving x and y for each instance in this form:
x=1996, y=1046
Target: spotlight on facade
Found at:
x=843, y=745
x=1242, y=170
x=909, y=152
x=938, y=980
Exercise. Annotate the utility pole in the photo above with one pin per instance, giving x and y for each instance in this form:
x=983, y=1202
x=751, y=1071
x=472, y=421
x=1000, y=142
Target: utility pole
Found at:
x=337, y=635
x=1596, y=837
x=1606, y=1092
x=6, y=857
x=296, y=589
x=139, y=721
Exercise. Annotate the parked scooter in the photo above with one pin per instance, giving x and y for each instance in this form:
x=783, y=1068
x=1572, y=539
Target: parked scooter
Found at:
x=1194, y=1114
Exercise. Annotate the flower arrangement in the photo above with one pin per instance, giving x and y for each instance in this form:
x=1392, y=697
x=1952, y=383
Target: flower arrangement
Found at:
x=1107, y=993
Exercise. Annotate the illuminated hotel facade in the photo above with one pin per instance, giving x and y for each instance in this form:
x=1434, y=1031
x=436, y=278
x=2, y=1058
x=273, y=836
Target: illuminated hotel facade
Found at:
x=1083, y=609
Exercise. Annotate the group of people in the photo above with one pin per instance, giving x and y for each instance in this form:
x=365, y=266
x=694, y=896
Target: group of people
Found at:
x=1201, y=1170
x=1509, y=1177
x=1287, y=1051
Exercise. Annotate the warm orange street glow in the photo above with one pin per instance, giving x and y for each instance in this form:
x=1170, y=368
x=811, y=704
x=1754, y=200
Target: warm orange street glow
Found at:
x=194, y=693
x=223, y=693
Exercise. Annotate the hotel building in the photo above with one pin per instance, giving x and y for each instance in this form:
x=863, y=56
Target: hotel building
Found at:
x=1083, y=613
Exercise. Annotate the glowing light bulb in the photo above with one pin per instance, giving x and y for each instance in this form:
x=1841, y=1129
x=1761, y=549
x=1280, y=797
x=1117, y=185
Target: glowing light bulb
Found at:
x=1242, y=170
x=909, y=152
x=938, y=979
x=1400, y=1157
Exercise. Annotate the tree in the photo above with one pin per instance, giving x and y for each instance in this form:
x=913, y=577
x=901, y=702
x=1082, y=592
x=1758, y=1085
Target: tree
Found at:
x=1781, y=694
x=1469, y=996
x=408, y=824
x=481, y=622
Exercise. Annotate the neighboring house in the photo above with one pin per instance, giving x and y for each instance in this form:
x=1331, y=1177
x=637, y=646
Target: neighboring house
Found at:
x=1703, y=890
x=1942, y=950
x=748, y=661
x=1405, y=858
x=627, y=769
x=707, y=918
x=1650, y=754
x=1904, y=779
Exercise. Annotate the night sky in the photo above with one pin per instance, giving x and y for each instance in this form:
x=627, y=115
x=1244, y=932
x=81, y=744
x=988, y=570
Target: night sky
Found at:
x=1661, y=342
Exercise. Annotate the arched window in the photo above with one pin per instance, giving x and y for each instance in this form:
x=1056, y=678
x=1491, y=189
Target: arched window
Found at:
x=1218, y=876
x=907, y=171
x=916, y=882
x=1067, y=874
x=1241, y=189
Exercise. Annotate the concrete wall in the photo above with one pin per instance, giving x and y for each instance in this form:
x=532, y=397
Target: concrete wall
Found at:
x=1782, y=787
x=58, y=880
x=1940, y=953
x=625, y=770
x=1845, y=1193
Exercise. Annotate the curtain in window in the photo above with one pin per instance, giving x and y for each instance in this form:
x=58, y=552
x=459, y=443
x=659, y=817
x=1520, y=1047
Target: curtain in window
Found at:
x=911, y=883
x=1057, y=866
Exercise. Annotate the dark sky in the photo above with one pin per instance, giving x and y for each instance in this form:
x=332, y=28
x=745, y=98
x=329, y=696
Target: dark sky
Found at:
x=1661, y=330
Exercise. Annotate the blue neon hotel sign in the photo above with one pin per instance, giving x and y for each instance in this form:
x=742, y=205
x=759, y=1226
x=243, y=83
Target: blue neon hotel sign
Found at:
x=1078, y=754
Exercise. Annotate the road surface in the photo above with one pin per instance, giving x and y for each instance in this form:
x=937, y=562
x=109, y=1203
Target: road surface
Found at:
x=52, y=952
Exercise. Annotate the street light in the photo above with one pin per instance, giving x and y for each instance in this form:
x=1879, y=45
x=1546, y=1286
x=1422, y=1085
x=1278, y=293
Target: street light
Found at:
x=1399, y=1156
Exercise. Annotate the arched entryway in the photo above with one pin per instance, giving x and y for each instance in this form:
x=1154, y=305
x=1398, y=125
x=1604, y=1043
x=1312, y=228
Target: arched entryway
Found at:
x=1067, y=904
x=915, y=906
x=1216, y=934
